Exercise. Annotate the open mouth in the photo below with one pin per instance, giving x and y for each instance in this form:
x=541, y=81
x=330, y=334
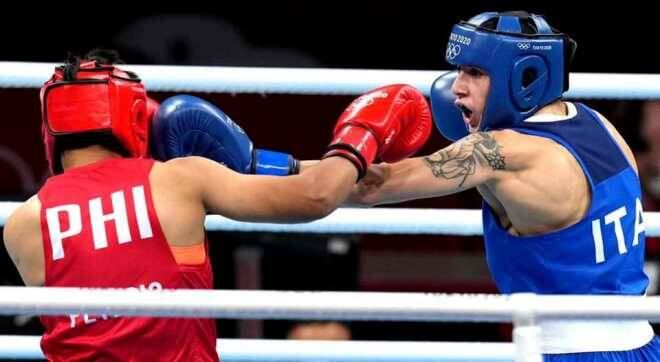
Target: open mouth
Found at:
x=465, y=110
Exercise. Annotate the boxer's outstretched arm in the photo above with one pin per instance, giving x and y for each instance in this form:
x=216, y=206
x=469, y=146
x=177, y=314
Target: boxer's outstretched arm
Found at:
x=391, y=122
x=299, y=198
x=476, y=159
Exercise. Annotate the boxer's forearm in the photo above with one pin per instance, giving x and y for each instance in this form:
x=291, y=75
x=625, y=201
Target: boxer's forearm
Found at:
x=305, y=165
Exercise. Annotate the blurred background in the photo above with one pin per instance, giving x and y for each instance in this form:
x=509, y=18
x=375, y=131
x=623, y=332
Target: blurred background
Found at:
x=372, y=35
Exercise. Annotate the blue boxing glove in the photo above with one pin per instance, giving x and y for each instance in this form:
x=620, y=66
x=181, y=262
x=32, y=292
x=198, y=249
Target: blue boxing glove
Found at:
x=447, y=117
x=190, y=126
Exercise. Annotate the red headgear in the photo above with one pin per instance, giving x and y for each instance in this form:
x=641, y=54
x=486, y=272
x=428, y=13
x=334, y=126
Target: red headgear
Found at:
x=100, y=98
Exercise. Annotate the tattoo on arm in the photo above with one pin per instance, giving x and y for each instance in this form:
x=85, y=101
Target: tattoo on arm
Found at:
x=460, y=159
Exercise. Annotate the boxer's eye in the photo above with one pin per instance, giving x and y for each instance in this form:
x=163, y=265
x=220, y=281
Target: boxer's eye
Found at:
x=472, y=71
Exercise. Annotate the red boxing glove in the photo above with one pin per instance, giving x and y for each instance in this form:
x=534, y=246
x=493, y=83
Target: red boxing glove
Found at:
x=414, y=116
x=392, y=122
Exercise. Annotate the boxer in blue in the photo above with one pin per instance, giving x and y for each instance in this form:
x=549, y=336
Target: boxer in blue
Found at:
x=561, y=211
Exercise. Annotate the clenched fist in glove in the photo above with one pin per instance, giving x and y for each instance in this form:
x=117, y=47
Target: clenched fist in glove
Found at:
x=189, y=126
x=391, y=122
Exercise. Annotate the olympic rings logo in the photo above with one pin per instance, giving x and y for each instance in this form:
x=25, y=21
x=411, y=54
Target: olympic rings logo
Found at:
x=523, y=46
x=453, y=50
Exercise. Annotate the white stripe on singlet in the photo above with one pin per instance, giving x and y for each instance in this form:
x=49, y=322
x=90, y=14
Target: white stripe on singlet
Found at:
x=592, y=336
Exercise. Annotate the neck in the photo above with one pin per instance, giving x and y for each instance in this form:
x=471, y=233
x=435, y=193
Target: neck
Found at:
x=558, y=108
x=85, y=156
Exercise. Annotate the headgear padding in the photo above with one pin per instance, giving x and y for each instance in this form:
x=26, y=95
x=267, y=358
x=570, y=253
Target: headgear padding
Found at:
x=99, y=99
x=527, y=62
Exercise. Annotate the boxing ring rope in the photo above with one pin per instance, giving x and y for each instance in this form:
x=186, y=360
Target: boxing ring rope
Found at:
x=378, y=220
x=319, y=80
x=525, y=310
x=248, y=350
x=372, y=306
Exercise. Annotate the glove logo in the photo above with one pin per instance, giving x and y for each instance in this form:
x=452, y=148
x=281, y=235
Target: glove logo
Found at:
x=388, y=139
x=523, y=46
x=366, y=100
x=453, y=50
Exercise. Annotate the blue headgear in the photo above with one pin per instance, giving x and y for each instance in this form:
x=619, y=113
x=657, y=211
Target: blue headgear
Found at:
x=527, y=71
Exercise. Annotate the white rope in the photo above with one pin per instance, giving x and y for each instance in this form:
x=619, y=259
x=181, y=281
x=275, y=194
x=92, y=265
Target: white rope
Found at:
x=375, y=220
x=244, y=350
x=319, y=80
x=320, y=305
